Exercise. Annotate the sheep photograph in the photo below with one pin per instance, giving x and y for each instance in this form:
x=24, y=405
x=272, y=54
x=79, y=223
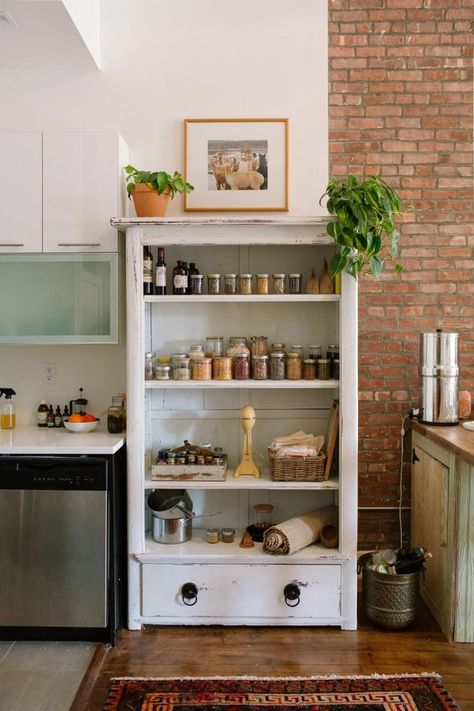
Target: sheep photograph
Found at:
x=237, y=165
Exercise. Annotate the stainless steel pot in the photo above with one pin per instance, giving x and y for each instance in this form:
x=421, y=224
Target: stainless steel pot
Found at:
x=172, y=515
x=440, y=372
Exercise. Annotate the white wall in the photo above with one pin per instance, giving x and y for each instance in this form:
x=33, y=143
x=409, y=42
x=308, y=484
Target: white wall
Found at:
x=161, y=63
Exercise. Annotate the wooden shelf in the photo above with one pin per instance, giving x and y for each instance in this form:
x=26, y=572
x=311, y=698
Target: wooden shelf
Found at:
x=243, y=298
x=241, y=384
x=244, y=482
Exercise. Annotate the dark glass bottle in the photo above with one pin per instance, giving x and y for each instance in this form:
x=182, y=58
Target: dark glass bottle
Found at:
x=192, y=270
x=147, y=271
x=65, y=414
x=50, y=417
x=179, y=279
x=160, y=273
x=58, y=418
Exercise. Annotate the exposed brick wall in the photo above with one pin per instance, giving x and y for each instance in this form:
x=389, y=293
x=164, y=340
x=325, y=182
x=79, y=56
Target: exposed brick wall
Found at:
x=400, y=102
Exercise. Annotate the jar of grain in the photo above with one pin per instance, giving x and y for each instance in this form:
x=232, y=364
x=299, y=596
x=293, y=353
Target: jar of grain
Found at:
x=245, y=283
x=196, y=352
x=230, y=283
x=214, y=346
x=176, y=360
x=260, y=367
x=196, y=283
x=259, y=345
x=309, y=369
x=162, y=371
x=222, y=368
x=213, y=283
x=294, y=283
x=294, y=366
x=277, y=365
x=324, y=369
x=262, y=283
x=182, y=369
x=278, y=283
x=241, y=366
x=202, y=369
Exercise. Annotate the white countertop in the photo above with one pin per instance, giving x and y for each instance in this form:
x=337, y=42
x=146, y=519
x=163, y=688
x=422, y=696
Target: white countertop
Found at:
x=39, y=440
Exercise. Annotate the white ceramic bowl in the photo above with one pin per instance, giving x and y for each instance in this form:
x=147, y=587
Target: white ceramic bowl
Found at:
x=80, y=427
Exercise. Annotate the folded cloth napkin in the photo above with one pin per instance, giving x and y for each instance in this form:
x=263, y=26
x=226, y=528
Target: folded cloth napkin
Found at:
x=299, y=442
x=296, y=450
x=298, y=532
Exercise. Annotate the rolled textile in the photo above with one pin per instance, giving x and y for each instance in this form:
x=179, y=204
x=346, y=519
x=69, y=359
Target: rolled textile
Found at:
x=298, y=532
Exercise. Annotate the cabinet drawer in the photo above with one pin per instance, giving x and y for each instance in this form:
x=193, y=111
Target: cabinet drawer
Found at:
x=225, y=591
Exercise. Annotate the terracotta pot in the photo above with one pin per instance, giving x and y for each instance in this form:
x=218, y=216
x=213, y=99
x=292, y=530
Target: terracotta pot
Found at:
x=148, y=202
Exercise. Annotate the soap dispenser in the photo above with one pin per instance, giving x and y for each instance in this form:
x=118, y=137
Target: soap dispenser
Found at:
x=7, y=409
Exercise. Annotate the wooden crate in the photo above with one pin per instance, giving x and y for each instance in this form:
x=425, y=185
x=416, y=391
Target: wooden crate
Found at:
x=189, y=472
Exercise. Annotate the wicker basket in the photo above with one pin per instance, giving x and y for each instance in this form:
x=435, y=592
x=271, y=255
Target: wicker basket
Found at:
x=296, y=468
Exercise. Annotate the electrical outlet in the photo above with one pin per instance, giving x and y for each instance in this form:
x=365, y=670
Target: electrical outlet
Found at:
x=49, y=373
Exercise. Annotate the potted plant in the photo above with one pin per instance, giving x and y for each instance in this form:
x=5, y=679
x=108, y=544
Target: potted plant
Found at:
x=364, y=229
x=151, y=190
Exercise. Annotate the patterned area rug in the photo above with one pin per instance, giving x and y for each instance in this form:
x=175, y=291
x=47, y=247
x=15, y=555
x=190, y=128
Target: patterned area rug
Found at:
x=377, y=693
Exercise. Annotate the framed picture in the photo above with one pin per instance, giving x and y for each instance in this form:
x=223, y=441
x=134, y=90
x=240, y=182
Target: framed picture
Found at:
x=236, y=164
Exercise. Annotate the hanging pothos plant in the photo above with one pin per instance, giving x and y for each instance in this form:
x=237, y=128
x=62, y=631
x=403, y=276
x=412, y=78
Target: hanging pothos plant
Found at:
x=364, y=229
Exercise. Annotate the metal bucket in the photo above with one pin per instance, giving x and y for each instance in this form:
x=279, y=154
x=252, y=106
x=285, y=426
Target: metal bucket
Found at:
x=390, y=601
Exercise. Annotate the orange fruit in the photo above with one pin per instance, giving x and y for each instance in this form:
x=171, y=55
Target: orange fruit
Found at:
x=76, y=418
x=88, y=418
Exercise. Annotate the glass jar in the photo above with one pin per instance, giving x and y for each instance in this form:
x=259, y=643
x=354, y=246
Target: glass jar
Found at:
x=176, y=360
x=115, y=419
x=227, y=535
x=241, y=366
x=262, y=283
x=149, y=366
x=260, y=367
x=202, y=369
x=294, y=366
x=324, y=368
x=245, y=283
x=182, y=369
x=315, y=352
x=214, y=346
x=335, y=368
x=309, y=369
x=162, y=371
x=230, y=283
x=332, y=351
x=259, y=345
x=222, y=368
x=237, y=347
x=297, y=348
x=277, y=365
x=196, y=283
x=213, y=283
x=196, y=352
x=278, y=283
x=279, y=347
x=294, y=283
x=212, y=535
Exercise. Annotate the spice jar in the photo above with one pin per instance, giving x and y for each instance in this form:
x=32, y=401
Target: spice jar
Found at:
x=213, y=283
x=315, y=352
x=309, y=369
x=222, y=368
x=294, y=283
x=262, y=283
x=149, y=366
x=335, y=368
x=241, y=366
x=181, y=369
x=230, y=283
x=227, y=535
x=294, y=366
x=214, y=346
x=162, y=371
x=324, y=368
x=115, y=423
x=245, y=283
x=196, y=283
x=202, y=369
x=259, y=345
x=277, y=365
x=278, y=283
x=212, y=535
x=260, y=367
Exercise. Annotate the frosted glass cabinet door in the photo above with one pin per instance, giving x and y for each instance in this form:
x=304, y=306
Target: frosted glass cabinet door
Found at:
x=81, y=191
x=21, y=194
x=59, y=298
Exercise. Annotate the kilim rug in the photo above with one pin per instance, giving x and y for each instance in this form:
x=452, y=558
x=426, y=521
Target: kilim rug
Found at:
x=424, y=692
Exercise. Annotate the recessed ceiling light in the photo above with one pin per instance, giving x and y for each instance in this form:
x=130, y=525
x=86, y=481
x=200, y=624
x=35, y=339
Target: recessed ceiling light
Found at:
x=7, y=18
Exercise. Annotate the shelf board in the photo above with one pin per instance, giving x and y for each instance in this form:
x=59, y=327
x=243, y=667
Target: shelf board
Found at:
x=244, y=483
x=197, y=550
x=236, y=298
x=241, y=384
x=187, y=221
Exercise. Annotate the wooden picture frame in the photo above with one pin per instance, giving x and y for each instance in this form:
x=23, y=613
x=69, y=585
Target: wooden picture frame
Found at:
x=236, y=164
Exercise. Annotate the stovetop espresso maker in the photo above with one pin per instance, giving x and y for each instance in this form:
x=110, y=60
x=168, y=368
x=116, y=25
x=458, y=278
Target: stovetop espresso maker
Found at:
x=440, y=375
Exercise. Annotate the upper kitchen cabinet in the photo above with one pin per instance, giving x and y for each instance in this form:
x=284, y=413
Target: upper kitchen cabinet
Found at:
x=21, y=205
x=82, y=187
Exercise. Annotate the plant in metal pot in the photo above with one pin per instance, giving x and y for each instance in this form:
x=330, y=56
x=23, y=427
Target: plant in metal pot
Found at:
x=151, y=190
x=364, y=228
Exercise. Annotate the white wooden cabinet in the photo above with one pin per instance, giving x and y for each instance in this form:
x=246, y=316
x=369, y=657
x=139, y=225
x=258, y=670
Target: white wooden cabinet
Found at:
x=235, y=585
x=62, y=189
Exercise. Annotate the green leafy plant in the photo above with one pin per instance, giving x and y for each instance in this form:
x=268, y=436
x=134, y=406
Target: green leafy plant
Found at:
x=364, y=229
x=157, y=180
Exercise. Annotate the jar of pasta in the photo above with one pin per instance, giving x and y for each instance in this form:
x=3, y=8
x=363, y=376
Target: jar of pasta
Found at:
x=294, y=366
x=259, y=345
x=202, y=369
x=230, y=283
x=260, y=367
x=222, y=368
x=214, y=346
x=309, y=369
x=237, y=347
x=245, y=283
x=241, y=366
x=278, y=281
x=262, y=283
x=277, y=365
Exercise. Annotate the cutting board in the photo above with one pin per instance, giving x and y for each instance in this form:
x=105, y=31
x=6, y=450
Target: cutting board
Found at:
x=331, y=437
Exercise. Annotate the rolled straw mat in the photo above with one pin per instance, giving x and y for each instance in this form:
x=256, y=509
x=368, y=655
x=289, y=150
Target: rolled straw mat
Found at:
x=298, y=532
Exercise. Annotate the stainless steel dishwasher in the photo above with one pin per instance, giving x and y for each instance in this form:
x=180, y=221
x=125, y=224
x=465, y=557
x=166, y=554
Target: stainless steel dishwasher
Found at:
x=53, y=542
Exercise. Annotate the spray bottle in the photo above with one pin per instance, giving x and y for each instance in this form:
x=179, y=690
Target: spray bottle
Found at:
x=7, y=409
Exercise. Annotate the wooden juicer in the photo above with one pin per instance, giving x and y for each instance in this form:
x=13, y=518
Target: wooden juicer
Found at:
x=247, y=466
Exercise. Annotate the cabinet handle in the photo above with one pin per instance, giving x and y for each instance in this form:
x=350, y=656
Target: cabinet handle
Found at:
x=11, y=244
x=189, y=594
x=292, y=594
x=78, y=244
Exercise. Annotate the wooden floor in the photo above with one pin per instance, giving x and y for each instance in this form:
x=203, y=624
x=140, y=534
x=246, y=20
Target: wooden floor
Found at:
x=277, y=651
